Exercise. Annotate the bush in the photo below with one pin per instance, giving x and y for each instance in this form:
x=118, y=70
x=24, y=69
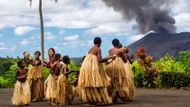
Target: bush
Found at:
x=169, y=64
x=9, y=78
x=150, y=73
x=46, y=72
x=184, y=59
x=75, y=68
x=137, y=72
x=5, y=64
x=174, y=79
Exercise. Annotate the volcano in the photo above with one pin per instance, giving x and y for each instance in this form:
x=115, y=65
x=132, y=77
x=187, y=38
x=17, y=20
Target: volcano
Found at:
x=160, y=44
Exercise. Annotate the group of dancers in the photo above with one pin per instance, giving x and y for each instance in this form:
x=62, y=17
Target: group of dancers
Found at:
x=99, y=81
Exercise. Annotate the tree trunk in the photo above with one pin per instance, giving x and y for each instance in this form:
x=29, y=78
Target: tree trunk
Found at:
x=41, y=28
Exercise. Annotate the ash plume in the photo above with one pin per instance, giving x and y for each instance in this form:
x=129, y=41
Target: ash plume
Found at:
x=149, y=14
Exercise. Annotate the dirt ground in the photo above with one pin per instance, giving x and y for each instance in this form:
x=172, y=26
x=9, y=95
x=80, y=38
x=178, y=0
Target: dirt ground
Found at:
x=144, y=98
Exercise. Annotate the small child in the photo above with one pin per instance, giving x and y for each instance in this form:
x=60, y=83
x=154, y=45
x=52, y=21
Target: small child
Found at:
x=63, y=83
x=75, y=91
x=21, y=95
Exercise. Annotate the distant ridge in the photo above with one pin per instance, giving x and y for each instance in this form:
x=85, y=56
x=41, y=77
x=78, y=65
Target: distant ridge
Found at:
x=159, y=44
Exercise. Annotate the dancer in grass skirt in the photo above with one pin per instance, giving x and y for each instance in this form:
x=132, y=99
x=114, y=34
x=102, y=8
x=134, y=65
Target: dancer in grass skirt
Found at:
x=52, y=81
x=93, y=80
x=21, y=95
x=36, y=78
x=116, y=70
x=49, y=64
x=63, y=85
x=130, y=78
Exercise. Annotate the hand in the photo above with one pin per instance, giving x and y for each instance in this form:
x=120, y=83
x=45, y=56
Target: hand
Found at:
x=112, y=57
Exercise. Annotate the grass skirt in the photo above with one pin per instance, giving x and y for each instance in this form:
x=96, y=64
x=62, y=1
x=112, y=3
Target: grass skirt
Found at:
x=117, y=72
x=21, y=95
x=51, y=87
x=62, y=93
x=36, y=82
x=93, y=81
x=35, y=72
x=130, y=81
x=75, y=91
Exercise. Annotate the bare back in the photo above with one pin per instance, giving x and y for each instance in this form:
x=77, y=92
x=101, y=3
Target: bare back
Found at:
x=118, y=53
x=95, y=50
x=57, y=68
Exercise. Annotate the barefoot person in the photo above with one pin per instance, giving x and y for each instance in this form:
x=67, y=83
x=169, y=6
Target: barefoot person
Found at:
x=93, y=80
x=116, y=71
x=63, y=86
x=21, y=95
x=52, y=81
x=36, y=78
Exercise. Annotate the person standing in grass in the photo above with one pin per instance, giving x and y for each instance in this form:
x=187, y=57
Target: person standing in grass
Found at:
x=21, y=95
x=93, y=80
x=36, y=78
x=116, y=70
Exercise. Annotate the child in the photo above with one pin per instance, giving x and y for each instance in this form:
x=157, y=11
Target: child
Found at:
x=63, y=85
x=52, y=81
x=21, y=95
x=36, y=78
x=75, y=91
x=26, y=58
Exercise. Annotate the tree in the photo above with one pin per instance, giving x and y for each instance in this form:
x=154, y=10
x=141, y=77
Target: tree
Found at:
x=41, y=25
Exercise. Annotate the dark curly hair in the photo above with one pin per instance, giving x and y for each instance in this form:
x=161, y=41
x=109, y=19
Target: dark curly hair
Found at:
x=66, y=59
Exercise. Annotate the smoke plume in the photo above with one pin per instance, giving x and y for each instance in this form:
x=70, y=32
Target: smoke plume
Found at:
x=149, y=14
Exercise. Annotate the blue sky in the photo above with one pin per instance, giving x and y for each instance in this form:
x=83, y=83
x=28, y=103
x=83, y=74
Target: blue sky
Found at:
x=70, y=26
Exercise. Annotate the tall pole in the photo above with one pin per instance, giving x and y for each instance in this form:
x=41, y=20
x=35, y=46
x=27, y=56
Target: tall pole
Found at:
x=41, y=28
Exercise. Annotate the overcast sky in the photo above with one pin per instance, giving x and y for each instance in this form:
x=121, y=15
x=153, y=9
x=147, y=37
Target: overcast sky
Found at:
x=70, y=26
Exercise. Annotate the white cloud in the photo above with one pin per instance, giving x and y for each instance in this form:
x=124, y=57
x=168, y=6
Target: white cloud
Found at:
x=182, y=21
x=3, y=47
x=25, y=42
x=89, y=14
x=71, y=38
x=22, y=30
x=49, y=36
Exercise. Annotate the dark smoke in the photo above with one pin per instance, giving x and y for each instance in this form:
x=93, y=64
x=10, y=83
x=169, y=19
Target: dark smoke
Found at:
x=149, y=14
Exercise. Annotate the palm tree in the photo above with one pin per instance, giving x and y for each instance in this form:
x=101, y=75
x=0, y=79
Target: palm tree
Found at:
x=41, y=25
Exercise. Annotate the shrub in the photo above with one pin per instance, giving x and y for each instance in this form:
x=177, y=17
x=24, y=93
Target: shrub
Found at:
x=169, y=64
x=75, y=68
x=174, y=79
x=184, y=58
x=46, y=72
x=151, y=72
x=137, y=72
x=5, y=64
